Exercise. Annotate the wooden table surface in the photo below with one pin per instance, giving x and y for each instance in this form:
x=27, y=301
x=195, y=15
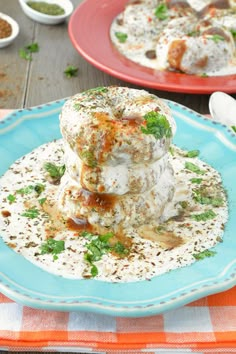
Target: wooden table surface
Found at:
x=29, y=83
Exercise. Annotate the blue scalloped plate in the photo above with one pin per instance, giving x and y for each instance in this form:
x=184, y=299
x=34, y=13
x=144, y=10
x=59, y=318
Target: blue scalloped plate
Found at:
x=27, y=284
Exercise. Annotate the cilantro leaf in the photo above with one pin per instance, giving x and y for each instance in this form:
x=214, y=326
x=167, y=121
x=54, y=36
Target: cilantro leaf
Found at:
x=98, y=245
x=55, y=172
x=26, y=52
x=183, y=204
x=157, y=125
x=33, y=47
x=204, y=75
x=42, y=201
x=71, y=71
x=217, y=38
x=196, y=180
x=25, y=190
x=171, y=150
x=233, y=32
x=192, y=153
x=207, y=215
x=38, y=188
x=11, y=198
x=202, y=196
x=204, y=254
x=122, y=37
x=234, y=128
x=120, y=249
x=194, y=33
x=193, y=168
x=89, y=158
x=53, y=247
x=31, y=213
x=95, y=90
x=161, y=12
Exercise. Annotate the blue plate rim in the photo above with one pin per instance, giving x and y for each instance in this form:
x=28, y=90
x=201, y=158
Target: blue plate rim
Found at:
x=225, y=279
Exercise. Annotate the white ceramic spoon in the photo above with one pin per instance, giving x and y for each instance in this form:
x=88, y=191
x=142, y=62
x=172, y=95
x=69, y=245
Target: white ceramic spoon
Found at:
x=223, y=109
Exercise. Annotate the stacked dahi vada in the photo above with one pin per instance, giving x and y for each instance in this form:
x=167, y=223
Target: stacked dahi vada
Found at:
x=195, y=37
x=110, y=181
x=116, y=155
x=192, y=46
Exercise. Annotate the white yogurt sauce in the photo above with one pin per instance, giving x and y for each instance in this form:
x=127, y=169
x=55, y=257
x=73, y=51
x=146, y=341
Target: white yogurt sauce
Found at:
x=153, y=249
x=147, y=34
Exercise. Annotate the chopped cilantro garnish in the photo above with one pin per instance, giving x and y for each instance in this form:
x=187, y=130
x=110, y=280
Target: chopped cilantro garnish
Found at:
x=89, y=158
x=183, y=204
x=204, y=75
x=33, y=47
x=217, y=37
x=96, y=91
x=196, y=180
x=94, y=270
x=53, y=247
x=71, y=71
x=194, y=168
x=87, y=235
x=171, y=150
x=120, y=249
x=234, y=128
x=55, y=172
x=38, y=188
x=11, y=198
x=202, y=196
x=26, y=52
x=195, y=33
x=207, y=215
x=25, y=190
x=204, y=254
x=161, y=12
x=122, y=37
x=99, y=89
x=192, y=153
x=42, y=201
x=233, y=32
x=98, y=245
x=157, y=125
x=77, y=106
x=31, y=213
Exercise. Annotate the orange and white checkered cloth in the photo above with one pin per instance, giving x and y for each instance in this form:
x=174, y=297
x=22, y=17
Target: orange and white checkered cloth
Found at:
x=206, y=326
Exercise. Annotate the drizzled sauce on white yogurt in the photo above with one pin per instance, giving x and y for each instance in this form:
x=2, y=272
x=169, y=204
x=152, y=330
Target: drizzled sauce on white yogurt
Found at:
x=29, y=216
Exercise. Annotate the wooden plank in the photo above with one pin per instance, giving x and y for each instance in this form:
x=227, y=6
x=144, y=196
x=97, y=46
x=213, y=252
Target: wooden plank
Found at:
x=13, y=69
x=47, y=81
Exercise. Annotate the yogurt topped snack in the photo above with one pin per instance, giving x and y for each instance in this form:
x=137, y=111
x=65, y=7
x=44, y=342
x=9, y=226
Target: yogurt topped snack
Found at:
x=114, y=199
x=191, y=37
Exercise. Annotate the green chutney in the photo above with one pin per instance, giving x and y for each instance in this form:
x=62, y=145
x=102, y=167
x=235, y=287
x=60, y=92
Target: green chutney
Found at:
x=46, y=8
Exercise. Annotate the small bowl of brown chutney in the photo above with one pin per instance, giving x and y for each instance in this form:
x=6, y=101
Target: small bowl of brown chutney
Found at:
x=9, y=30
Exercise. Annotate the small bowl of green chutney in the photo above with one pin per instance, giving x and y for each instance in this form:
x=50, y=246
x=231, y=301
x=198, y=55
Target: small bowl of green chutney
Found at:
x=49, y=12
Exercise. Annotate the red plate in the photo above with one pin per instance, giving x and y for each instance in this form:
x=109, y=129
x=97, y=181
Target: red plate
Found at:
x=89, y=32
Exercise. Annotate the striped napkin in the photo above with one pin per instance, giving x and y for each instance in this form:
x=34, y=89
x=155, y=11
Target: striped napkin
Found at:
x=205, y=326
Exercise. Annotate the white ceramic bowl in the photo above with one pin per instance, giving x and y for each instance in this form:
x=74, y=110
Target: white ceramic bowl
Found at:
x=15, y=30
x=48, y=19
